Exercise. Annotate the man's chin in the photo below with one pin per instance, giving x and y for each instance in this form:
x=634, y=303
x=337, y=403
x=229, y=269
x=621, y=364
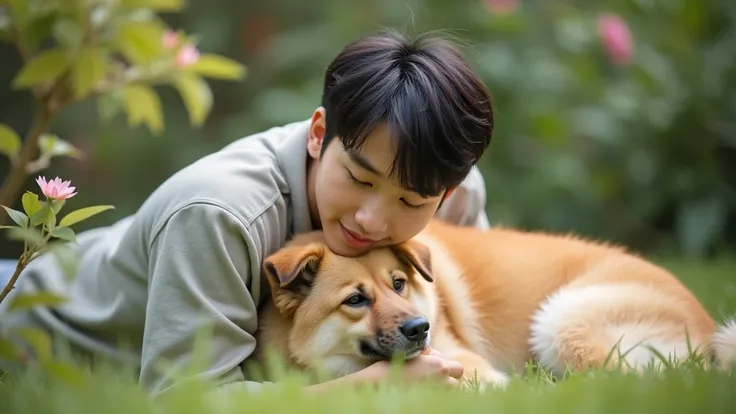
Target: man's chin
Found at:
x=346, y=251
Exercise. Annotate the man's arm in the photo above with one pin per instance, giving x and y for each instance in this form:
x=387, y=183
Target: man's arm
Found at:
x=200, y=276
x=467, y=205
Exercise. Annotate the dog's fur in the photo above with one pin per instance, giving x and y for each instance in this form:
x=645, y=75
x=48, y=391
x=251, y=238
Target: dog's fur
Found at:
x=493, y=299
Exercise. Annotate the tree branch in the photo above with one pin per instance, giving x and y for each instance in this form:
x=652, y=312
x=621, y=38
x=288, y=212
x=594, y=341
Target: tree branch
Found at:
x=11, y=284
x=13, y=183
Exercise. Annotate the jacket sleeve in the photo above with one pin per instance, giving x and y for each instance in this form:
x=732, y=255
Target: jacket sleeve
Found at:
x=200, y=278
x=467, y=205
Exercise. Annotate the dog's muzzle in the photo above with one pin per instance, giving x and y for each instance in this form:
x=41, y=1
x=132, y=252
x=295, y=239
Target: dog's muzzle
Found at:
x=409, y=339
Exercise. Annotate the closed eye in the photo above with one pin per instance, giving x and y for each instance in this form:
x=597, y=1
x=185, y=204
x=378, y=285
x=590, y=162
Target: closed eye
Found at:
x=367, y=184
x=357, y=181
x=410, y=205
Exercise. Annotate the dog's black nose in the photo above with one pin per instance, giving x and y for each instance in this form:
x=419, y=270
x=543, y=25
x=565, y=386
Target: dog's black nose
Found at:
x=415, y=329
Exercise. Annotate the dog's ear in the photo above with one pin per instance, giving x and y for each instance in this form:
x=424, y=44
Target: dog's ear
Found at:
x=416, y=255
x=290, y=273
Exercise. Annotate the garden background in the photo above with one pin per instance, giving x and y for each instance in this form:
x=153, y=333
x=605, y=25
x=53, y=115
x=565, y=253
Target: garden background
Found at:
x=614, y=119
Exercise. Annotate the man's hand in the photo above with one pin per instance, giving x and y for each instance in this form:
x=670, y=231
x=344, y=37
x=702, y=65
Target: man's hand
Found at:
x=431, y=365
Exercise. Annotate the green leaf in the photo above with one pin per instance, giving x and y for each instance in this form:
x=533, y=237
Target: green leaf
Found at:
x=10, y=142
x=53, y=146
x=216, y=66
x=33, y=9
x=46, y=66
x=29, y=234
x=64, y=233
x=40, y=216
x=46, y=215
x=197, y=97
x=19, y=9
x=157, y=5
x=142, y=104
x=140, y=42
x=18, y=217
x=56, y=205
x=31, y=205
x=68, y=33
x=82, y=214
x=38, y=30
x=38, y=339
x=50, y=219
x=31, y=300
x=89, y=68
x=9, y=351
x=63, y=371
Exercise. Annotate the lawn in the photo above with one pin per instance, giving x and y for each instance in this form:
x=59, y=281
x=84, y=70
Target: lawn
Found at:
x=681, y=390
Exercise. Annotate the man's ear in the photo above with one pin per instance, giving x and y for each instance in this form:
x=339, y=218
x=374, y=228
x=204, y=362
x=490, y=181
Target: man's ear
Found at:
x=416, y=255
x=316, y=135
x=290, y=273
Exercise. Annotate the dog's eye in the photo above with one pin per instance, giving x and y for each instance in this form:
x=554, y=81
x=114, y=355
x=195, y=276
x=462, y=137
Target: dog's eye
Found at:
x=399, y=284
x=356, y=300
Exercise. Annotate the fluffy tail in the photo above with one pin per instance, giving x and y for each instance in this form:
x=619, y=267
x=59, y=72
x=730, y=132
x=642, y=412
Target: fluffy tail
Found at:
x=724, y=345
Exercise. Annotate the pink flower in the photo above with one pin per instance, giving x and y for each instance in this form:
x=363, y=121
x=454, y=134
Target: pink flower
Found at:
x=502, y=7
x=56, y=189
x=188, y=55
x=616, y=37
x=169, y=40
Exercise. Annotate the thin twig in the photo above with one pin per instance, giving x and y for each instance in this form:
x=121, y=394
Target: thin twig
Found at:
x=11, y=284
x=13, y=183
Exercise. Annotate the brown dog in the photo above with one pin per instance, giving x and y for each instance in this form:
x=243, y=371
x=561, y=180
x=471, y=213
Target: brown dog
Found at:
x=490, y=299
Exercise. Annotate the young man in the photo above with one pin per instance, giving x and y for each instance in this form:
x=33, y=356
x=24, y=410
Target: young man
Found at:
x=394, y=143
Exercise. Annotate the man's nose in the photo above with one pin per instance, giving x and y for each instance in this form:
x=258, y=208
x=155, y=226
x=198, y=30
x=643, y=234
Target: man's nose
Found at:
x=372, y=218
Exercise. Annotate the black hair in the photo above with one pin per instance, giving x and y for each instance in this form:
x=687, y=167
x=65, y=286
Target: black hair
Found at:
x=438, y=111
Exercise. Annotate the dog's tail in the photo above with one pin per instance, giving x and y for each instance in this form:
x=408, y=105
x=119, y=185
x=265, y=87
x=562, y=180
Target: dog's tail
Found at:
x=724, y=345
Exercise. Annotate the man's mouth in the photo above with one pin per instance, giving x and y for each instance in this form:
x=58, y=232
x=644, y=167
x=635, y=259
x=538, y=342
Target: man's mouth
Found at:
x=355, y=239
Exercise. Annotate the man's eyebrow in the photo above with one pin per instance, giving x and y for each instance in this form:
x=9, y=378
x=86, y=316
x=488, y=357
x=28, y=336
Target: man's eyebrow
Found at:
x=363, y=162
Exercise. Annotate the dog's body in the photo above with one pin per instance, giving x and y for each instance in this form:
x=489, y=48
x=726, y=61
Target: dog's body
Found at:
x=492, y=300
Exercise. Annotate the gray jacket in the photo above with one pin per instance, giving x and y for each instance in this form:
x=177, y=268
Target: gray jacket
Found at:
x=193, y=253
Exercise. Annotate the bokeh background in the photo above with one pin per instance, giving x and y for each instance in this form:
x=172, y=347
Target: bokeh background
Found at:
x=626, y=134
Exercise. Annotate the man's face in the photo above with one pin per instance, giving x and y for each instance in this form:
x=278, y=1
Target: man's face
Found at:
x=360, y=207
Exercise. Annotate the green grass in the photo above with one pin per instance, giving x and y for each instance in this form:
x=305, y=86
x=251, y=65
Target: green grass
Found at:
x=682, y=391
x=688, y=388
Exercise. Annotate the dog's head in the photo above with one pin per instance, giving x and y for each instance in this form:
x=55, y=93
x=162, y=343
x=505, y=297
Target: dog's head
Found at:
x=348, y=312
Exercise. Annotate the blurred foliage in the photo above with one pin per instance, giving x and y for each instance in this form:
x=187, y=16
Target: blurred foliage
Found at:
x=641, y=154
x=108, y=51
x=112, y=51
